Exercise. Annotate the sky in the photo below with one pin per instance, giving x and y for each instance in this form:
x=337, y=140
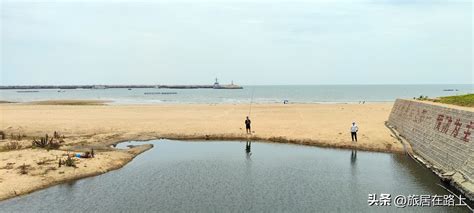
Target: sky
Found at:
x=258, y=42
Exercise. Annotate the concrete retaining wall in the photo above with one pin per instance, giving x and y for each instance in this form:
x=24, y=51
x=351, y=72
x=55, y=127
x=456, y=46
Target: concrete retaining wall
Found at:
x=442, y=136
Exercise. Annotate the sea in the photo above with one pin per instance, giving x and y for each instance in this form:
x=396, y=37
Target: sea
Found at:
x=249, y=94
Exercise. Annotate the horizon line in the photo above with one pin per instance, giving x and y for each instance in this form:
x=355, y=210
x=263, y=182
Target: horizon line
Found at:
x=333, y=84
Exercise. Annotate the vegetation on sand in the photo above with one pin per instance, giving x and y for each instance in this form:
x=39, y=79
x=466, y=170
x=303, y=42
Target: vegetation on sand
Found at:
x=460, y=100
x=46, y=142
x=12, y=145
x=68, y=162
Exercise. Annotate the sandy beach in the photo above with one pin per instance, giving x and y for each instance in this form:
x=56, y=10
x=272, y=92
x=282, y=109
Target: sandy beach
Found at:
x=98, y=126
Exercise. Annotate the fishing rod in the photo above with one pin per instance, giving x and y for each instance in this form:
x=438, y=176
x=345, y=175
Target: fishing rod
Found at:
x=457, y=196
x=251, y=100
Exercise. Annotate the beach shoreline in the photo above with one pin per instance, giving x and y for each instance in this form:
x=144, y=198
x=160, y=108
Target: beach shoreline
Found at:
x=100, y=126
x=74, y=176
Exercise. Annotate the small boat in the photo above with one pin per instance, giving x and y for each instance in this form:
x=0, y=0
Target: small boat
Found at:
x=99, y=87
x=225, y=86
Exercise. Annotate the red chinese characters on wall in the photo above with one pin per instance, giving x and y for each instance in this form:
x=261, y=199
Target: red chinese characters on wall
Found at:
x=443, y=124
x=445, y=128
x=467, y=133
x=420, y=116
x=439, y=121
x=457, y=127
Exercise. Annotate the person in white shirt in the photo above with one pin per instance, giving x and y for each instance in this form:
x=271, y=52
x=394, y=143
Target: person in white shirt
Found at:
x=354, y=130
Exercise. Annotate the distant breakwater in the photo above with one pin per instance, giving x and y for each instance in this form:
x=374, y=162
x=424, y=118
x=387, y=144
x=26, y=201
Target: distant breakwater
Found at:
x=232, y=86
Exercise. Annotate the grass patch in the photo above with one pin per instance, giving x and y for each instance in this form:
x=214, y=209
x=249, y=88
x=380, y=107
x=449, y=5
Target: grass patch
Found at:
x=460, y=100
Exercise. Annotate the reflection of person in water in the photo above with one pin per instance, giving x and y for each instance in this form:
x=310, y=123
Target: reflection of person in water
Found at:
x=247, y=149
x=353, y=156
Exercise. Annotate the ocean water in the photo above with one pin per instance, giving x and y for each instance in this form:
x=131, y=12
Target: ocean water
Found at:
x=226, y=176
x=256, y=94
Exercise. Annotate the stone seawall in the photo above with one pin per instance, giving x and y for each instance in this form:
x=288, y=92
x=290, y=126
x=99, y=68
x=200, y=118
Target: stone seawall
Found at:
x=442, y=136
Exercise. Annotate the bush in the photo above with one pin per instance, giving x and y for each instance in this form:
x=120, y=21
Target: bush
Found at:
x=422, y=98
x=68, y=162
x=18, y=137
x=46, y=142
x=13, y=145
x=24, y=169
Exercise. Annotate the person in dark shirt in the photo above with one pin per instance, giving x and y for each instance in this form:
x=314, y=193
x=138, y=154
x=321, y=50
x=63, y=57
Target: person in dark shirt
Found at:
x=247, y=125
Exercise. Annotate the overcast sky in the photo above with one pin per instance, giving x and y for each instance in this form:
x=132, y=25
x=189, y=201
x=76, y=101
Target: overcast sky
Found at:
x=256, y=42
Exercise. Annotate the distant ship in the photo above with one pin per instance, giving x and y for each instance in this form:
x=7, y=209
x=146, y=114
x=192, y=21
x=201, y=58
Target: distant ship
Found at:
x=226, y=86
x=450, y=90
x=99, y=87
x=216, y=85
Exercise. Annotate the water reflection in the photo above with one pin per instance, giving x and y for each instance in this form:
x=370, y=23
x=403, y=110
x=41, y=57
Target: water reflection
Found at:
x=353, y=163
x=353, y=157
x=213, y=177
x=423, y=177
x=248, y=146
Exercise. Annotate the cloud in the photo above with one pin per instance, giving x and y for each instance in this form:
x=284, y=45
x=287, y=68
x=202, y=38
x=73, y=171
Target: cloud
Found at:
x=262, y=42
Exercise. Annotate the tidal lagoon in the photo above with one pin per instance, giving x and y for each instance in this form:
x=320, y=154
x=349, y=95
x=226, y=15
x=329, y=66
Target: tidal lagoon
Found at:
x=223, y=176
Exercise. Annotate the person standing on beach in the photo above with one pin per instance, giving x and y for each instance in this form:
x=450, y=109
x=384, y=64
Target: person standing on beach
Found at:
x=354, y=130
x=247, y=125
